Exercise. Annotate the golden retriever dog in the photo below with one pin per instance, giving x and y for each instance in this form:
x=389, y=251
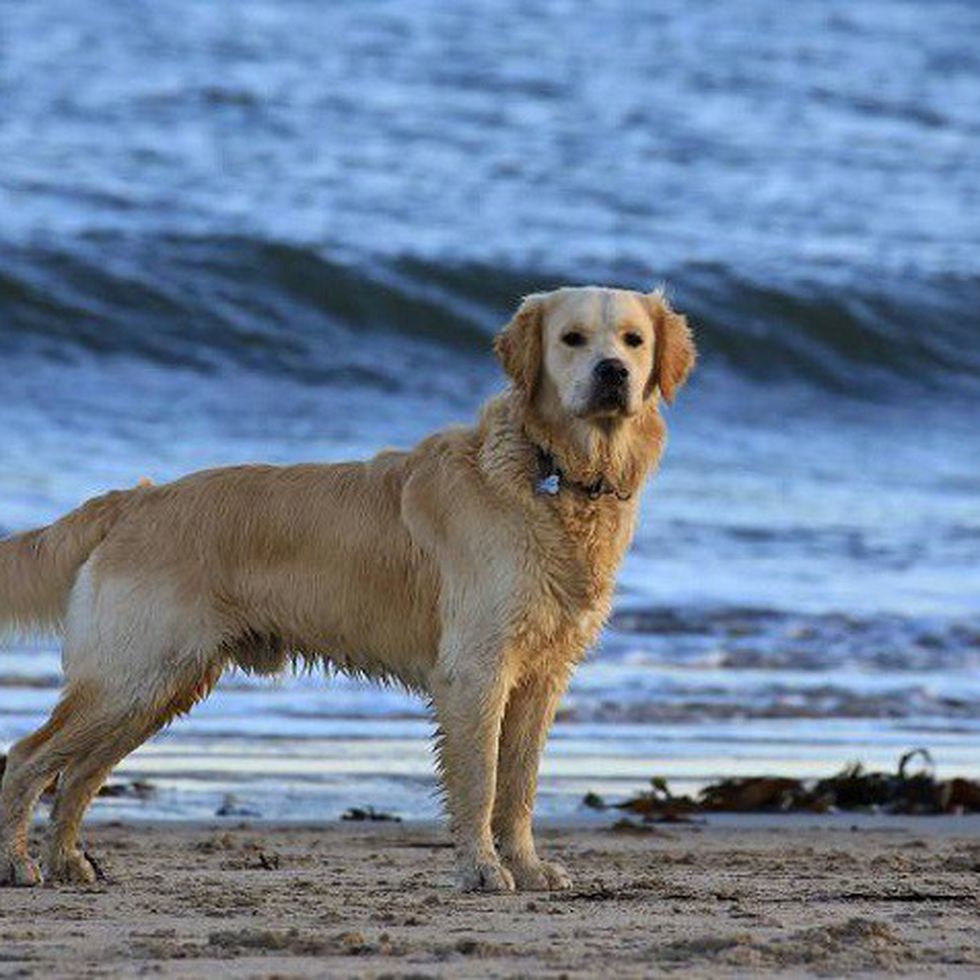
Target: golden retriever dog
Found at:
x=475, y=569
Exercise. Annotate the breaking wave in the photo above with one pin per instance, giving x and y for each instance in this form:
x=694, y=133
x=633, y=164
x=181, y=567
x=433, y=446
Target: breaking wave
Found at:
x=207, y=302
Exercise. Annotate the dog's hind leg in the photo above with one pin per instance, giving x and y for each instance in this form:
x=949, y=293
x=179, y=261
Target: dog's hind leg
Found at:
x=90, y=730
x=31, y=764
x=120, y=732
x=80, y=782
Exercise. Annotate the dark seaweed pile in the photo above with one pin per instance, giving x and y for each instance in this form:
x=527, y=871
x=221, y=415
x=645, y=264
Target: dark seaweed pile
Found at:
x=851, y=789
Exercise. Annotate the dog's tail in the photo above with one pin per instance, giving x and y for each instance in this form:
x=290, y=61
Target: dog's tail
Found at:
x=38, y=568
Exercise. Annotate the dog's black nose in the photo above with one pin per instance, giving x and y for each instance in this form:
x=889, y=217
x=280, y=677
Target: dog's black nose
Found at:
x=612, y=371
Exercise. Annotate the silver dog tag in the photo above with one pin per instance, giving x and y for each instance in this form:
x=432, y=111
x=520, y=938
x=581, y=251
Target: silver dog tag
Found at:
x=549, y=485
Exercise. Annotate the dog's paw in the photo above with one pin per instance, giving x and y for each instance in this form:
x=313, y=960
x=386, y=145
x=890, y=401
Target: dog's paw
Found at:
x=485, y=876
x=73, y=868
x=20, y=872
x=539, y=876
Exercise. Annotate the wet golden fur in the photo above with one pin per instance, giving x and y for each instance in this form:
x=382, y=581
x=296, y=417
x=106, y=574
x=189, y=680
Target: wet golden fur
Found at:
x=439, y=568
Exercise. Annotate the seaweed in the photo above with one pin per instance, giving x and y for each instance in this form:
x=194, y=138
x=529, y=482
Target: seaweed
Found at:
x=852, y=789
x=358, y=813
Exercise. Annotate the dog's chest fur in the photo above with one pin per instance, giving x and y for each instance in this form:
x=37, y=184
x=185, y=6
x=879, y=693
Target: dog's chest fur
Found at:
x=573, y=552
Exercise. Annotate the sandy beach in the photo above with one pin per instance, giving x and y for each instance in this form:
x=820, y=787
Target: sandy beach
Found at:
x=779, y=895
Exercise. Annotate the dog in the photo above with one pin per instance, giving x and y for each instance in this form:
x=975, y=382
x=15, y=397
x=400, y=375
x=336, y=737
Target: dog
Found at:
x=476, y=569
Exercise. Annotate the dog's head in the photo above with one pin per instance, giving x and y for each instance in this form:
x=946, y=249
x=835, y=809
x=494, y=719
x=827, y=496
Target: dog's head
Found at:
x=597, y=353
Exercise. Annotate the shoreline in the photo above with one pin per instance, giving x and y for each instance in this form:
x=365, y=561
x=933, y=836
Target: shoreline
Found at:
x=778, y=894
x=585, y=821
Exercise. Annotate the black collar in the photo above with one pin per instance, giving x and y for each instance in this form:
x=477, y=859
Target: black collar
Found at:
x=551, y=479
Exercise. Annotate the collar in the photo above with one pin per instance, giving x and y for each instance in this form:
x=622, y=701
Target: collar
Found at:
x=551, y=479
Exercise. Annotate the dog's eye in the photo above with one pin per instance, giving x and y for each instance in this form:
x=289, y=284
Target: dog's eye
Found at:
x=573, y=338
x=633, y=340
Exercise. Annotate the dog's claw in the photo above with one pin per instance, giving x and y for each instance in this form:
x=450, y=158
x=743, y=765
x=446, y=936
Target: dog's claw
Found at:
x=100, y=874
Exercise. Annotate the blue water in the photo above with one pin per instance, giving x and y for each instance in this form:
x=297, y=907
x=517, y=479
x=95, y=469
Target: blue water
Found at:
x=287, y=231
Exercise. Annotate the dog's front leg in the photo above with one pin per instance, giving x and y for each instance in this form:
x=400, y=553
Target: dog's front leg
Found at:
x=469, y=692
x=530, y=712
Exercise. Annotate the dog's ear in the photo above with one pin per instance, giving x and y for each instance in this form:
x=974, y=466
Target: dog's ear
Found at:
x=674, y=352
x=518, y=345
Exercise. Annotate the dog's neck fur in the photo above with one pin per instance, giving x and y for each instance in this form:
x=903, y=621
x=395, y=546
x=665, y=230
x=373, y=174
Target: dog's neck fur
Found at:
x=623, y=452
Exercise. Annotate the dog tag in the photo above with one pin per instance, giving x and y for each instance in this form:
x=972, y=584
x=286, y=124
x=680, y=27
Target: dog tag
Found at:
x=549, y=485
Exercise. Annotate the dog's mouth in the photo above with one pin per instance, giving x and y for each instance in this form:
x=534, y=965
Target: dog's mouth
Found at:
x=609, y=400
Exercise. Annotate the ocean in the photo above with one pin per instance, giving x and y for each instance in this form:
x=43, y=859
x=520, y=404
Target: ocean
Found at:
x=280, y=230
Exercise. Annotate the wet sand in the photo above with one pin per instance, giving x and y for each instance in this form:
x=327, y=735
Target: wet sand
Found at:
x=779, y=895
